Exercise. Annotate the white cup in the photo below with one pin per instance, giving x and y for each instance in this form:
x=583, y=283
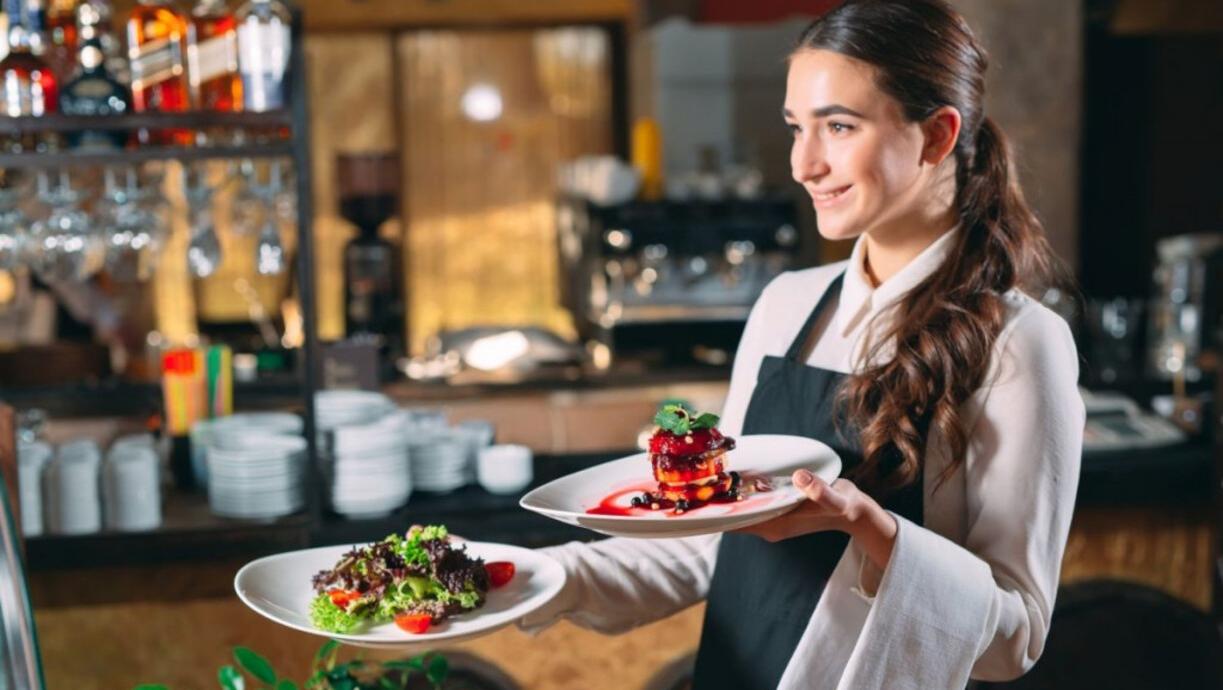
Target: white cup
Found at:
x=504, y=469
x=130, y=485
x=74, y=505
x=32, y=458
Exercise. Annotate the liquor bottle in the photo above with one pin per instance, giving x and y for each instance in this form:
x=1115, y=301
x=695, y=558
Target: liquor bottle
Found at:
x=29, y=86
x=61, y=38
x=93, y=90
x=264, y=43
x=156, y=47
x=212, y=57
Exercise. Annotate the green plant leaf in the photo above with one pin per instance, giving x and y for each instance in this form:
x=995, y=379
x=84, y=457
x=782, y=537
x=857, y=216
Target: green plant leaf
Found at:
x=404, y=665
x=254, y=664
x=708, y=420
x=152, y=686
x=230, y=678
x=286, y=685
x=323, y=652
x=386, y=684
x=439, y=668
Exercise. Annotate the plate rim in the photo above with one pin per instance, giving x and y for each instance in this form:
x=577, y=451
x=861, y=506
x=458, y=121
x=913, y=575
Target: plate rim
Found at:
x=545, y=597
x=694, y=521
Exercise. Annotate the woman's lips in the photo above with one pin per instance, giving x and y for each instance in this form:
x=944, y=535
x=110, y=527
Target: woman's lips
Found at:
x=829, y=198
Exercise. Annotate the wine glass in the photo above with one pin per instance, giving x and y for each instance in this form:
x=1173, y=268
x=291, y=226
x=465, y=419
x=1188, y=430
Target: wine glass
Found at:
x=13, y=229
x=131, y=233
x=204, y=250
x=248, y=208
x=269, y=252
x=62, y=244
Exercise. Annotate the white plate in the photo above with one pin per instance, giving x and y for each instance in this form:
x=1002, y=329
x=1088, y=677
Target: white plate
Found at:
x=569, y=498
x=278, y=587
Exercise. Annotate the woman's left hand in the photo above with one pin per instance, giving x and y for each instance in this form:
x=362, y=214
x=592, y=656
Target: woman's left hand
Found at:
x=841, y=506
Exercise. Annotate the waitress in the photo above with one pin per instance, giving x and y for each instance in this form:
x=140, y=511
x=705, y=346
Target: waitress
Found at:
x=924, y=361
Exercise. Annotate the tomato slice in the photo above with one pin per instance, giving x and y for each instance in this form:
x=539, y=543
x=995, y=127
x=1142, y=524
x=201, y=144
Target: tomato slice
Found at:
x=343, y=597
x=499, y=572
x=415, y=623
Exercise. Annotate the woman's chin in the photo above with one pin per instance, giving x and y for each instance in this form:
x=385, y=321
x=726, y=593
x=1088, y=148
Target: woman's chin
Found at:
x=833, y=230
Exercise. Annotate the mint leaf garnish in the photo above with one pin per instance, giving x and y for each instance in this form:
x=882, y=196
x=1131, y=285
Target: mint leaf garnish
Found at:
x=674, y=418
x=679, y=420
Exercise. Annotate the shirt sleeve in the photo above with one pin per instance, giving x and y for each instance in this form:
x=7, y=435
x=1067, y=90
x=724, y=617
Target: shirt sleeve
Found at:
x=1022, y=474
x=618, y=584
x=983, y=606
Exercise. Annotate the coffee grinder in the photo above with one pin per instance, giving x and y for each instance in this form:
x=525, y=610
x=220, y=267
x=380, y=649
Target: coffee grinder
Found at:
x=373, y=278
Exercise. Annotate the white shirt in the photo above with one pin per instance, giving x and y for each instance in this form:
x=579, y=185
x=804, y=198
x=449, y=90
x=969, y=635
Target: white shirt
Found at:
x=969, y=592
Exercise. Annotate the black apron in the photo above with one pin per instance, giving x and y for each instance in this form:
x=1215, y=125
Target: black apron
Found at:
x=763, y=594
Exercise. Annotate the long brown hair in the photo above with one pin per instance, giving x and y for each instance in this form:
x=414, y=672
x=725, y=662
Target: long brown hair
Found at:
x=943, y=330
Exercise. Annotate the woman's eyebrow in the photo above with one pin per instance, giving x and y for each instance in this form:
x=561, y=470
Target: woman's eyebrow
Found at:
x=825, y=111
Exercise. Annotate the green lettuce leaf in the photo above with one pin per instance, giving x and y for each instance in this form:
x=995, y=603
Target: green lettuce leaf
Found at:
x=327, y=616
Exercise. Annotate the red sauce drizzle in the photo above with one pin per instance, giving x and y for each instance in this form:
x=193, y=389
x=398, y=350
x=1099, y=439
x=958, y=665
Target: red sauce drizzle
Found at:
x=614, y=504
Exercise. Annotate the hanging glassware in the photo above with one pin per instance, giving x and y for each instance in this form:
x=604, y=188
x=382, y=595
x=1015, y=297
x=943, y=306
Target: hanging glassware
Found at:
x=130, y=226
x=63, y=246
x=13, y=229
x=204, y=250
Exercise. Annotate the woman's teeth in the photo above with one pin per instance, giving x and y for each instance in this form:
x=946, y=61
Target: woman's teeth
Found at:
x=833, y=194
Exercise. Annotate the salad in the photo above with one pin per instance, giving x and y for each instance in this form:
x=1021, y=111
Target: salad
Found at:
x=415, y=580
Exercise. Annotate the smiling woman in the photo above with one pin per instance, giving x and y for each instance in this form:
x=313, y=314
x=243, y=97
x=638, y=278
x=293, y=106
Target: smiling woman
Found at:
x=948, y=392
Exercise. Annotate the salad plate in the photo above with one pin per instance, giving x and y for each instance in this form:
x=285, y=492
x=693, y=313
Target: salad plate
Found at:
x=283, y=589
x=601, y=498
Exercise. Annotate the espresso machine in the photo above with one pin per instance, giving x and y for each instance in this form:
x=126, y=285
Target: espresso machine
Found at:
x=1186, y=309
x=671, y=279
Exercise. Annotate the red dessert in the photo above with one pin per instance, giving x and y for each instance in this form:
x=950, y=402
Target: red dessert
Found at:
x=688, y=455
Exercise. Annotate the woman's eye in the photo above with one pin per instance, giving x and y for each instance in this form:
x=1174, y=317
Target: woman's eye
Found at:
x=794, y=129
x=839, y=127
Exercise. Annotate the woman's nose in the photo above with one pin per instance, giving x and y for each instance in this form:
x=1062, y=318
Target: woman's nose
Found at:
x=807, y=160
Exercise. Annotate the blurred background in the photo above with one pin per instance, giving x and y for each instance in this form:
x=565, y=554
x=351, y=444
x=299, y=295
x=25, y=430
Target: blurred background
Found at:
x=476, y=244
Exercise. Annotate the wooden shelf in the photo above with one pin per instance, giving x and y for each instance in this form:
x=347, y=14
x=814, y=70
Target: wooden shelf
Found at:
x=125, y=398
x=135, y=121
x=60, y=159
x=189, y=531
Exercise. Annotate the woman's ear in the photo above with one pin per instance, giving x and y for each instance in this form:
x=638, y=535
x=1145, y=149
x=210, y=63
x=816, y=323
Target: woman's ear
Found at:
x=940, y=130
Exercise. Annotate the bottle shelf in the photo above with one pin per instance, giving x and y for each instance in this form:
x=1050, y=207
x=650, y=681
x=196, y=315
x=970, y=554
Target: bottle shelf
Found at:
x=59, y=159
x=134, y=121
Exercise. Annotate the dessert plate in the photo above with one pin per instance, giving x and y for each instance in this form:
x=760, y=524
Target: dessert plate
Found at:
x=278, y=588
x=613, y=484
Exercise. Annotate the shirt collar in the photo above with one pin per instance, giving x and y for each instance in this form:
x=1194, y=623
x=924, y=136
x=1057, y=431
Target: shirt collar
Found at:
x=859, y=301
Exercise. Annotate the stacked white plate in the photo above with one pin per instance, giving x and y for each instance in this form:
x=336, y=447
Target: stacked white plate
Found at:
x=348, y=408
x=440, y=460
x=368, y=470
x=256, y=476
x=240, y=424
x=130, y=485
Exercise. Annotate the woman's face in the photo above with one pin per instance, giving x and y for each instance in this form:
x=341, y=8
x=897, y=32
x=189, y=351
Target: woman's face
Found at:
x=853, y=150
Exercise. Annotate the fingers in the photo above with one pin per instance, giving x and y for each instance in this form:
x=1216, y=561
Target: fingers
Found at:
x=819, y=492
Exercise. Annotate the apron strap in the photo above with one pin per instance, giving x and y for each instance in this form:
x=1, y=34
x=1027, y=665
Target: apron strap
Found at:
x=801, y=339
